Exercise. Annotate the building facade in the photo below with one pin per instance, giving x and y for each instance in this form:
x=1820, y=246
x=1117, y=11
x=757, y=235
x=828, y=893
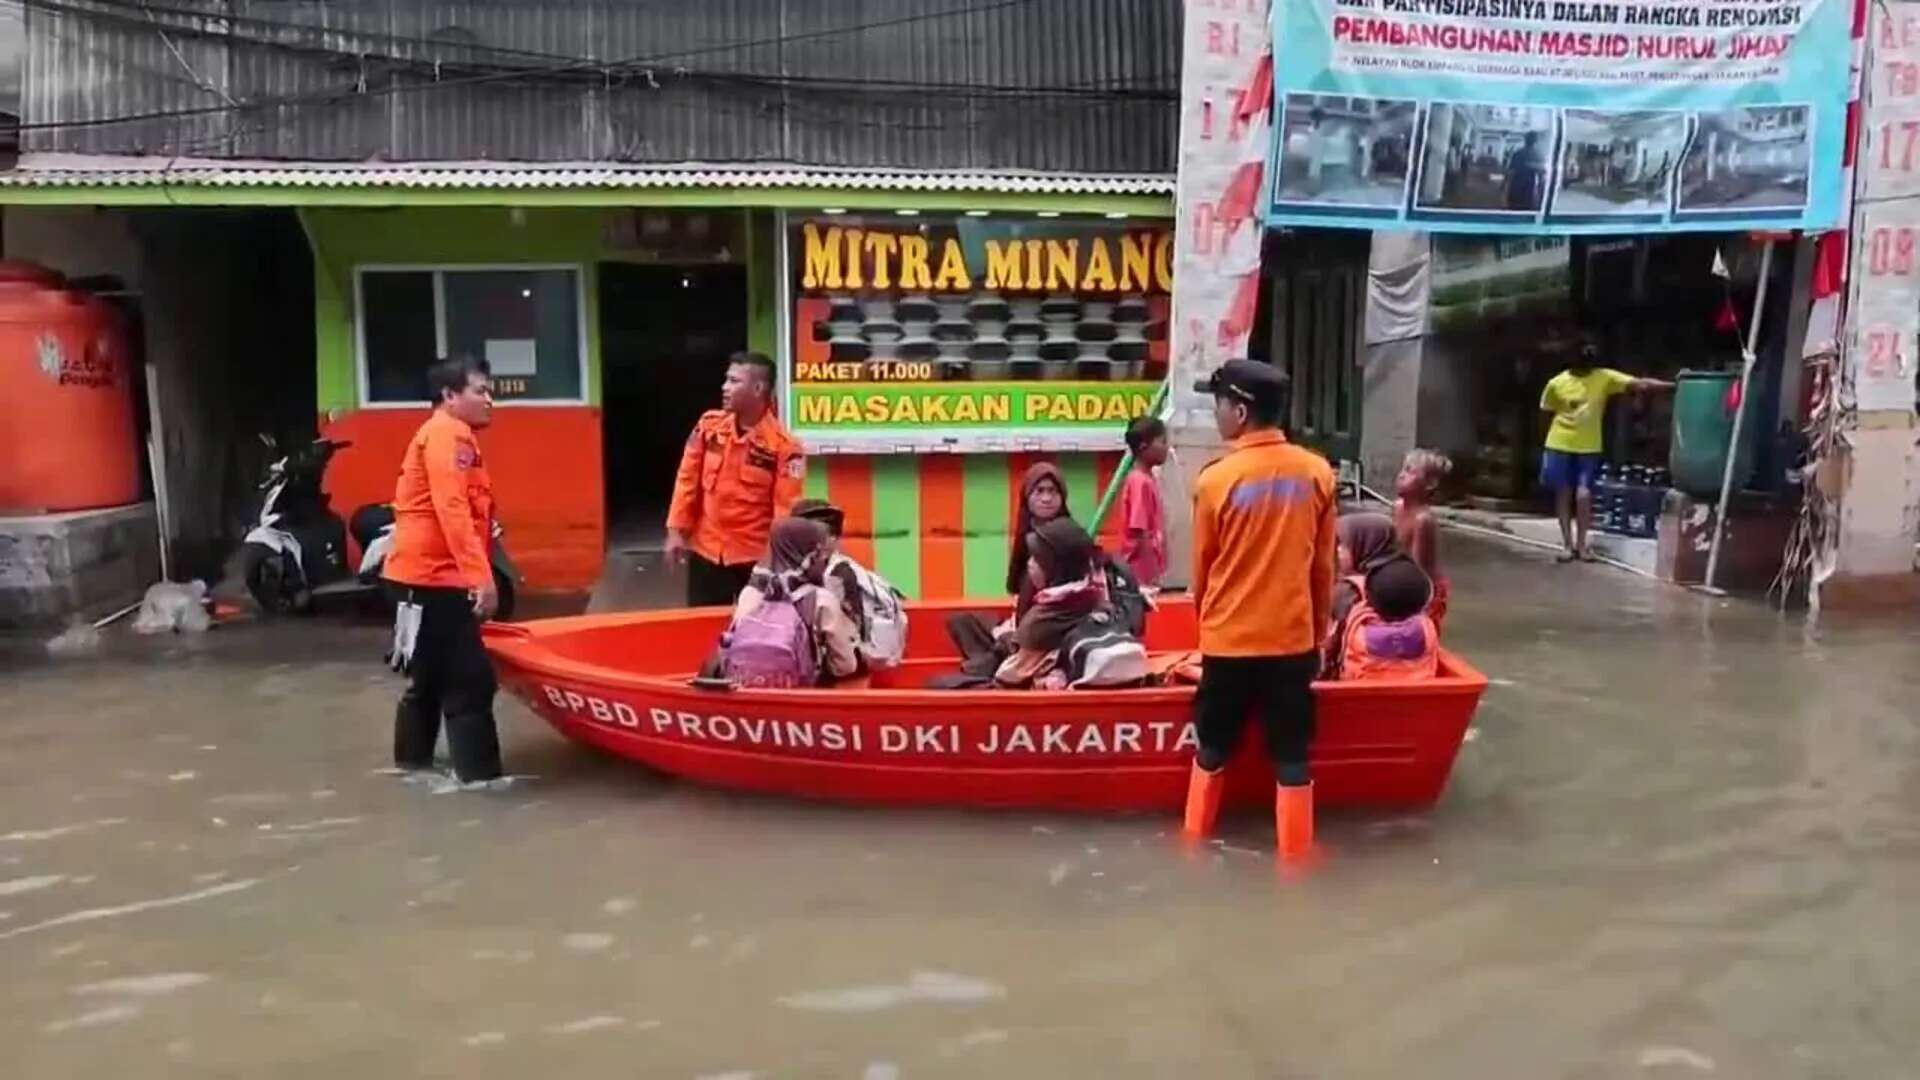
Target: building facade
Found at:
x=606, y=199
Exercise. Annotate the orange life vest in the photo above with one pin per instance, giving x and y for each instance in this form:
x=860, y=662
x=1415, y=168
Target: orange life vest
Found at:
x=1374, y=648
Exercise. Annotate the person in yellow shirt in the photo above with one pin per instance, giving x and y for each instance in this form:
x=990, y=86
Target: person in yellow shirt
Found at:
x=1576, y=402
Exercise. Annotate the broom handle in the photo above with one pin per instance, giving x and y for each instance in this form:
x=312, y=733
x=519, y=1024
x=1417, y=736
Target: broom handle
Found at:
x=1126, y=462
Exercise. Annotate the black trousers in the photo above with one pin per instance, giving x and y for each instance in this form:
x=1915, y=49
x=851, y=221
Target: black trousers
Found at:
x=712, y=584
x=1279, y=687
x=972, y=636
x=452, y=677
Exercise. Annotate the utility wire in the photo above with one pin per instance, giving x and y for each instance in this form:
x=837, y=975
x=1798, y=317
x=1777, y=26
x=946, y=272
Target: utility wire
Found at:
x=606, y=69
x=1147, y=86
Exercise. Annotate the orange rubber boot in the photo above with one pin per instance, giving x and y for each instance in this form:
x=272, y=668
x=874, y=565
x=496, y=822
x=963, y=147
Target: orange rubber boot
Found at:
x=1203, y=803
x=1293, y=821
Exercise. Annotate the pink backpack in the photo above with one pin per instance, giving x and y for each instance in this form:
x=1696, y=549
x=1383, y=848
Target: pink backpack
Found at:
x=773, y=648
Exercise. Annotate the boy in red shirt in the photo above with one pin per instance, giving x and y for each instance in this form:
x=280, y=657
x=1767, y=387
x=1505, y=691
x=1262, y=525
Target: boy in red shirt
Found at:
x=1143, y=516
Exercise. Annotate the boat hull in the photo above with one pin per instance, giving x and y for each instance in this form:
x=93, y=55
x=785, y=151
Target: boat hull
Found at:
x=619, y=683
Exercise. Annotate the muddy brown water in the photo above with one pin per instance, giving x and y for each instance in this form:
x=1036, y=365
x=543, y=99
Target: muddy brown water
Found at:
x=1682, y=842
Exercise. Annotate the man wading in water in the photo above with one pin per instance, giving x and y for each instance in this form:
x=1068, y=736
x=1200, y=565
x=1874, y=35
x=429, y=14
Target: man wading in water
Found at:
x=442, y=522
x=1263, y=569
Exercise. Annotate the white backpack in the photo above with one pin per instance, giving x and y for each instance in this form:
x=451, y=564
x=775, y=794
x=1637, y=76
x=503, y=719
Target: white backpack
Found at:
x=885, y=642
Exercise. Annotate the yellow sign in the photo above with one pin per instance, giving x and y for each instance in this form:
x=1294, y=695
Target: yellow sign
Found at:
x=850, y=257
x=930, y=406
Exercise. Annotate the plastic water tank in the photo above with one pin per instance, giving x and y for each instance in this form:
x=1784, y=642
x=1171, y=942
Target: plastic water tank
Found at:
x=67, y=437
x=1702, y=431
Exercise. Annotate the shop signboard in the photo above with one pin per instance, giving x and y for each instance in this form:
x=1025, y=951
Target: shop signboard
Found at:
x=1225, y=129
x=1560, y=116
x=973, y=332
x=1884, y=320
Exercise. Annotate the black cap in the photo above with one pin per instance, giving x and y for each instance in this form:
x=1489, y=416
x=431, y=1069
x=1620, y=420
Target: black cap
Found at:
x=1246, y=380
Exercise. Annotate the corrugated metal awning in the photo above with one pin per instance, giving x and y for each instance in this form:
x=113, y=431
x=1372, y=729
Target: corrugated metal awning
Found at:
x=48, y=170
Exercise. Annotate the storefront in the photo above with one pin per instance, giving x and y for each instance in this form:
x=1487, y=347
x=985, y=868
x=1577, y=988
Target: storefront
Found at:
x=928, y=355
x=1585, y=173
x=1508, y=313
x=930, y=359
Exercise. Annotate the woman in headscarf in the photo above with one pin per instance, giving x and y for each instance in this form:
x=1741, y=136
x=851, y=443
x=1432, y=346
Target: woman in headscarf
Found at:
x=982, y=645
x=1043, y=498
x=1364, y=542
x=1061, y=571
x=794, y=570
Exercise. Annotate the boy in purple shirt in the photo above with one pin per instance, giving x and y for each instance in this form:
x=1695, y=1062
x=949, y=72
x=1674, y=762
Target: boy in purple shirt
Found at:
x=1143, y=516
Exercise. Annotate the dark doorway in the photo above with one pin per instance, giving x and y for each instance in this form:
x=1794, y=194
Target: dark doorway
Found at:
x=1317, y=309
x=665, y=335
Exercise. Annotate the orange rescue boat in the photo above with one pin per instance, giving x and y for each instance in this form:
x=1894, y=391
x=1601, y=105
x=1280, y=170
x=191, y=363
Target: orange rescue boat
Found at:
x=620, y=683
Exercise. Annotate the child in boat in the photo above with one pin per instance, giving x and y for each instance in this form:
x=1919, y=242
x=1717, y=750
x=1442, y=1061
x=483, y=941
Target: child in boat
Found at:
x=1143, y=516
x=1362, y=542
x=1388, y=634
x=1068, y=587
x=788, y=587
x=870, y=601
x=1415, y=525
x=982, y=645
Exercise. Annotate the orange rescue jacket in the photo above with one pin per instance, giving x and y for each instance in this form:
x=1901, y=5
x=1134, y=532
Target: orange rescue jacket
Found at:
x=1263, y=549
x=1377, y=649
x=732, y=484
x=442, y=509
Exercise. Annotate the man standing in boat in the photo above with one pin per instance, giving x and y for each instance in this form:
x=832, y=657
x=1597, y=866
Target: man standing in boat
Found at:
x=1263, y=571
x=440, y=567
x=741, y=470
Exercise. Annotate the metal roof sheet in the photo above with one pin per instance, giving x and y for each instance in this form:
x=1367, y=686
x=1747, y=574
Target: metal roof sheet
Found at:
x=47, y=170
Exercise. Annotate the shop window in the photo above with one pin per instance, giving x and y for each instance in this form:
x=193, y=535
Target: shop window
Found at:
x=524, y=321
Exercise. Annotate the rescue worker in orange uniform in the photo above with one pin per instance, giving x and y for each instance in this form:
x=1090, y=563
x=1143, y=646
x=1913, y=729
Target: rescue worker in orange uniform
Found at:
x=740, y=471
x=443, y=524
x=1263, y=573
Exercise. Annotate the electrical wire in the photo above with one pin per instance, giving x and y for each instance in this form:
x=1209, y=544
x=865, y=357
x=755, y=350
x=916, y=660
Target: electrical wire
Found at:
x=1158, y=86
x=605, y=69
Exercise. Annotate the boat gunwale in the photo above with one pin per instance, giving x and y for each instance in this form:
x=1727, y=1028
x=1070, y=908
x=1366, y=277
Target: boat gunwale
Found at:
x=519, y=645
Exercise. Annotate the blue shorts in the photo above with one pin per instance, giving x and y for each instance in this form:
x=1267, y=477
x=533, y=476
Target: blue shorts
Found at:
x=1561, y=471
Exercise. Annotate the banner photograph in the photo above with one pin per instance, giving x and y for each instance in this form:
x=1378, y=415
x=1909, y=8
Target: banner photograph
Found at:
x=1550, y=116
x=966, y=326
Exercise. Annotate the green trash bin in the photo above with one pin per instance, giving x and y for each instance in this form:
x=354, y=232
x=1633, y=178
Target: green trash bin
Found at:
x=1702, y=430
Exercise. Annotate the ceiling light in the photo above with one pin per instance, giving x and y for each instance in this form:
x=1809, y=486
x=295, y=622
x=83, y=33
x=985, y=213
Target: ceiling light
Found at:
x=1116, y=215
x=908, y=213
x=978, y=213
x=834, y=210
x=1048, y=214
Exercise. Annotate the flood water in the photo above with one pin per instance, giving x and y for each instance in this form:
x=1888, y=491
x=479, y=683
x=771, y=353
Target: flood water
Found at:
x=1683, y=841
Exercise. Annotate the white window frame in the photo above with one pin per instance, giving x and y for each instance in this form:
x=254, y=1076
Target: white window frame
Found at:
x=439, y=270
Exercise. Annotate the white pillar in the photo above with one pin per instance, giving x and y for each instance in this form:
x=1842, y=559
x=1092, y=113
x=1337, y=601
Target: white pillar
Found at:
x=1209, y=267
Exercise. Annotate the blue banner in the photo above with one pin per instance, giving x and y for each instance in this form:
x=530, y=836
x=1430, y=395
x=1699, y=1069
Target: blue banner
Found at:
x=1554, y=116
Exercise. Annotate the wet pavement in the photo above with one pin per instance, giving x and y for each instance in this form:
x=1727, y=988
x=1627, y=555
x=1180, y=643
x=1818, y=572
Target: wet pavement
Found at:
x=1683, y=841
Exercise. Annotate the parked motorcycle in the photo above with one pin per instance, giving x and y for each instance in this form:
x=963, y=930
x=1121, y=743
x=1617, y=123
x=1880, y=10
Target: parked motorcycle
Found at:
x=298, y=548
x=298, y=544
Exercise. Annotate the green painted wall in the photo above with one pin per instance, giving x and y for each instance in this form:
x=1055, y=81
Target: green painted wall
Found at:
x=344, y=239
x=989, y=494
x=763, y=282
